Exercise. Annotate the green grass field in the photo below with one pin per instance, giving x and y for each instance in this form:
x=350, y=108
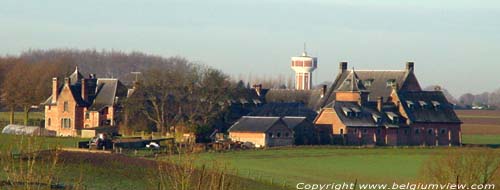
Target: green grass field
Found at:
x=330, y=164
x=481, y=139
x=13, y=142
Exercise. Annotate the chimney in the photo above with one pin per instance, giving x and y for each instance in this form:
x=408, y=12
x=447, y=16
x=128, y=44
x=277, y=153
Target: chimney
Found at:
x=67, y=81
x=410, y=66
x=363, y=98
x=258, y=89
x=342, y=66
x=323, y=91
x=84, y=90
x=380, y=103
x=55, y=89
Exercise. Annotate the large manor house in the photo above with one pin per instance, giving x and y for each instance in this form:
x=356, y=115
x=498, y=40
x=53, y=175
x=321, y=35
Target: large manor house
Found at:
x=360, y=107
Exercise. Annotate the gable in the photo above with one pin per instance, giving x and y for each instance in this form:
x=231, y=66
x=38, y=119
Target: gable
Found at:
x=379, y=83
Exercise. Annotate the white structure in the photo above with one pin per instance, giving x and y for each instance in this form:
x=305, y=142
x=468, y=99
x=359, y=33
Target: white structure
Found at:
x=303, y=67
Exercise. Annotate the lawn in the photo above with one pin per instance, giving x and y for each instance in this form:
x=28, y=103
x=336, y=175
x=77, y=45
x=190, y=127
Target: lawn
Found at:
x=481, y=139
x=329, y=164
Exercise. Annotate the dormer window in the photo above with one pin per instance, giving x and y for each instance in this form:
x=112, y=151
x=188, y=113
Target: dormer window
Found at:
x=356, y=111
x=410, y=104
x=377, y=119
x=368, y=83
x=436, y=104
x=423, y=104
x=348, y=81
x=393, y=117
x=347, y=111
x=391, y=82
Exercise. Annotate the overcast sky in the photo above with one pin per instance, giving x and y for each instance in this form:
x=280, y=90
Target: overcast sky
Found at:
x=453, y=43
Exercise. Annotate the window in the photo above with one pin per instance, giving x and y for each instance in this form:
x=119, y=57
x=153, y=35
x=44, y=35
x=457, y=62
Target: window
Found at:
x=368, y=83
x=87, y=125
x=378, y=131
x=377, y=119
x=287, y=134
x=66, y=123
x=406, y=131
x=278, y=134
x=66, y=106
x=48, y=122
x=270, y=135
x=417, y=131
x=410, y=104
x=429, y=131
x=436, y=104
x=443, y=131
x=365, y=131
x=423, y=104
x=347, y=111
x=341, y=131
x=348, y=82
x=87, y=115
x=391, y=82
x=355, y=130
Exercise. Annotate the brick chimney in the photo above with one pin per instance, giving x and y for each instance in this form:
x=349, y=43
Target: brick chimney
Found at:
x=84, y=91
x=342, y=67
x=410, y=66
x=323, y=91
x=55, y=89
x=380, y=103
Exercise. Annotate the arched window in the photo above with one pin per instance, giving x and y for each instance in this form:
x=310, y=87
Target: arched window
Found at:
x=48, y=122
x=341, y=131
x=270, y=135
x=443, y=131
x=429, y=131
x=278, y=134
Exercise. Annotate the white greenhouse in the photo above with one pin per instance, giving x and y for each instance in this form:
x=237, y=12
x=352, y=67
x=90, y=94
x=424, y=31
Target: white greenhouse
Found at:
x=27, y=130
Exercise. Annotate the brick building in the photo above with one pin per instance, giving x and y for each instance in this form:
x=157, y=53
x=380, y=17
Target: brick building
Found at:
x=83, y=103
x=262, y=131
x=382, y=107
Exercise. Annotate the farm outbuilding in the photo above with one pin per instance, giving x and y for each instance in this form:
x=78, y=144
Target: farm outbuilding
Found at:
x=27, y=130
x=261, y=131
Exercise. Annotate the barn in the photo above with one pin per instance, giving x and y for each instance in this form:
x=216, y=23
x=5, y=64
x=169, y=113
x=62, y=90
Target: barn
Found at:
x=262, y=131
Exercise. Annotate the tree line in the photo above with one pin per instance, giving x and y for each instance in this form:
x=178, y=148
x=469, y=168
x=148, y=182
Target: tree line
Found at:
x=169, y=92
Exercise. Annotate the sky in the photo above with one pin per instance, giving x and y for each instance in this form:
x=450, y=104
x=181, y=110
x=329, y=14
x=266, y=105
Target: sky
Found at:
x=454, y=43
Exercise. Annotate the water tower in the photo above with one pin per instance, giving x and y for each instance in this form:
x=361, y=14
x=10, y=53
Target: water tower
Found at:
x=304, y=66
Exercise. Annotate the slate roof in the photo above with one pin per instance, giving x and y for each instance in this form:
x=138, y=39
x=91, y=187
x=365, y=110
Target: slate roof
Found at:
x=106, y=90
x=284, y=109
x=378, y=85
x=75, y=77
x=293, y=122
x=254, y=124
x=352, y=83
x=365, y=116
x=444, y=113
x=309, y=98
